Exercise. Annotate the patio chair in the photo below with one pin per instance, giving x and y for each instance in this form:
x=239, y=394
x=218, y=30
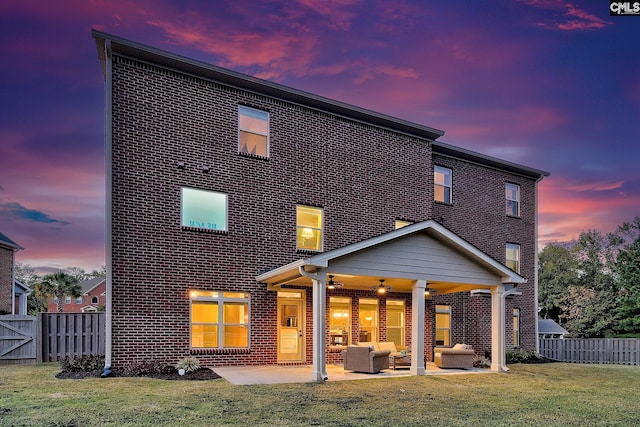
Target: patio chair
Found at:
x=365, y=359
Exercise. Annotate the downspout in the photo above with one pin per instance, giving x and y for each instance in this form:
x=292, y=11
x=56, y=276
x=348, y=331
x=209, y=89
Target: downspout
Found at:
x=535, y=266
x=13, y=281
x=319, y=370
x=108, y=205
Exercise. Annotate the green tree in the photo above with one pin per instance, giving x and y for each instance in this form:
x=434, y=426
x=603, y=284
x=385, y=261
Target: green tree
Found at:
x=59, y=285
x=589, y=310
x=557, y=271
x=27, y=275
x=628, y=276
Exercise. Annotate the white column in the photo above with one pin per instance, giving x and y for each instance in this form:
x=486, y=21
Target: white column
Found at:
x=319, y=372
x=417, y=327
x=498, y=356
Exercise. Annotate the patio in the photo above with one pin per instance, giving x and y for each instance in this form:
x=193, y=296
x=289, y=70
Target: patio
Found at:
x=280, y=374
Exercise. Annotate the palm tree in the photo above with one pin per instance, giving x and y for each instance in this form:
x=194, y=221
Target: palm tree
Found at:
x=59, y=285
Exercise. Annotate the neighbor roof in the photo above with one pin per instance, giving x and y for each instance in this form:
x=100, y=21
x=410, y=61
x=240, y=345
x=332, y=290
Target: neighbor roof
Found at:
x=186, y=65
x=90, y=284
x=7, y=242
x=549, y=326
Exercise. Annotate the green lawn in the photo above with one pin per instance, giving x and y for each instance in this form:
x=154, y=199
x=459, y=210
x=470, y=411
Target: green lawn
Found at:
x=530, y=395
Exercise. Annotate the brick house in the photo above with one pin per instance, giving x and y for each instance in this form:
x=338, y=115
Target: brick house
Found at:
x=93, y=298
x=253, y=223
x=13, y=294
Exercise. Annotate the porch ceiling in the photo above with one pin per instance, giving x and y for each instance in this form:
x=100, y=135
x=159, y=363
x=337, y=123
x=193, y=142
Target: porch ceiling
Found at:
x=423, y=251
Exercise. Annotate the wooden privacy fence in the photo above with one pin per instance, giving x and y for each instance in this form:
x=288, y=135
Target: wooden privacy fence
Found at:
x=621, y=351
x=49, y=337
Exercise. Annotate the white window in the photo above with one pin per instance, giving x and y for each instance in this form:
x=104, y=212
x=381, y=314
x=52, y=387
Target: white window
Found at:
x=443, y=325
x=219, y=319
x=401, y=223
x=442, y=188
x=79, y=300
x=67, y=299
x=395, y=321
x=516, y=327
x=513, y=256
x=512, y=193
x=309, y=228
x=340, y=321
x=204, y=209
x=253, y=132
x=368, y=316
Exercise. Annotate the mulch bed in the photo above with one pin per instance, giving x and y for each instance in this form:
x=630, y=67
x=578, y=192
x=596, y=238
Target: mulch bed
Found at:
x=201, y=374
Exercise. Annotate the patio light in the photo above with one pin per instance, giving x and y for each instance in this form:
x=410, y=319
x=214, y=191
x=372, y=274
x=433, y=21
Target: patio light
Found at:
x=381, y=289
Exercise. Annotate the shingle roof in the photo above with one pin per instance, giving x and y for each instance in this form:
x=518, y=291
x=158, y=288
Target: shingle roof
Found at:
x=7, y=242
x=548, y=326
x=88, y=285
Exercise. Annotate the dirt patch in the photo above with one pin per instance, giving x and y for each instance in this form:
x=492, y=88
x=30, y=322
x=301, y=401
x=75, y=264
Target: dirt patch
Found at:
x=201, y=374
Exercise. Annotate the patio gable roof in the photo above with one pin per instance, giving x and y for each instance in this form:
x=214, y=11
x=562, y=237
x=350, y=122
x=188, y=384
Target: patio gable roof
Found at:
x=422, y=251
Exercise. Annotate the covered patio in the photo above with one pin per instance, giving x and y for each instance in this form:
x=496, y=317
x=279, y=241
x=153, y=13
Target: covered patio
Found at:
x=420, y=258
x=249, y=375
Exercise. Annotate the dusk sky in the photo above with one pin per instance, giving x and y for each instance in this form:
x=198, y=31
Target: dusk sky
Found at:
x=545, y=83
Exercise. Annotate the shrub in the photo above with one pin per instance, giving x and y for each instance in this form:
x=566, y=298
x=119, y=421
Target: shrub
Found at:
x=481, y=362
x=523, y=356
x=144, y=369
x=89, y=363
x=189, y=364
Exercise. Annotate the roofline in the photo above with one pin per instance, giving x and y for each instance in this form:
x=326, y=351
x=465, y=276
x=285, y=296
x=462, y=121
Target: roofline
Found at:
x=232, y=78
x=322, y=260
x=440, y=147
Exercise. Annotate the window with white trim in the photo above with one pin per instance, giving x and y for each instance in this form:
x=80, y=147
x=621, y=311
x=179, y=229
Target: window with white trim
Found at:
x=516, y=327
x=94, y=300
x=340, y=321
x=219, y=319
x=368, y=317
x=443, y=325
x=442, y=184
x=513, y=256
x=399, y=223
x=395, y=321
x=512, y=199
x=79, y=300
x=309, y=228
x=204, y=209
x=67, y=299
x=253, y=132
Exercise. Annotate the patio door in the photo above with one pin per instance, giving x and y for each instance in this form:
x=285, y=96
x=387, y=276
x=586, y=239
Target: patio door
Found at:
x=291, y=334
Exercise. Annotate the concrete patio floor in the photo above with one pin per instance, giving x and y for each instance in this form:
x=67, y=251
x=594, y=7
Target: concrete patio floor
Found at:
x=278, y=374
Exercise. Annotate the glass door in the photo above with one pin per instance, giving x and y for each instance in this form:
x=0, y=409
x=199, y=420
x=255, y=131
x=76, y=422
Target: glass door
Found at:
x=290, y=326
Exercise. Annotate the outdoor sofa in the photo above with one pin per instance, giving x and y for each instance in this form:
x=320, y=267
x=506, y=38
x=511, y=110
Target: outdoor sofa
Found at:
x=460, y=356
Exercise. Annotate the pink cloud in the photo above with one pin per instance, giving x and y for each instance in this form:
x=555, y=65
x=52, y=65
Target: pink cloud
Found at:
x=339, y=18
x=584, y=20
x=566, y=209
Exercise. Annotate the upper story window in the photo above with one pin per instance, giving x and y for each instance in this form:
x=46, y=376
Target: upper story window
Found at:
x=67, y=299
x=309, y=228
x=94, y=300
x=401, y=223
x=513, y=257
x=512, y=193
x=79, y=300
x=442, y=180
x=204, y=209
x=253, y=131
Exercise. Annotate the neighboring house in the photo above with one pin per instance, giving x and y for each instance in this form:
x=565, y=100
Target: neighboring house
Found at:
x=13, y=296
x=548, y=328
x=93, y=298
x=252, y=223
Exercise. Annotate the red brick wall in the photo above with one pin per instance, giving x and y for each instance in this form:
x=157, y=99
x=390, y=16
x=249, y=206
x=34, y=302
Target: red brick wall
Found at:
x=477, y=214
x=74, y=307
x=6, y=275
x=364, y=178
x=359, y=174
